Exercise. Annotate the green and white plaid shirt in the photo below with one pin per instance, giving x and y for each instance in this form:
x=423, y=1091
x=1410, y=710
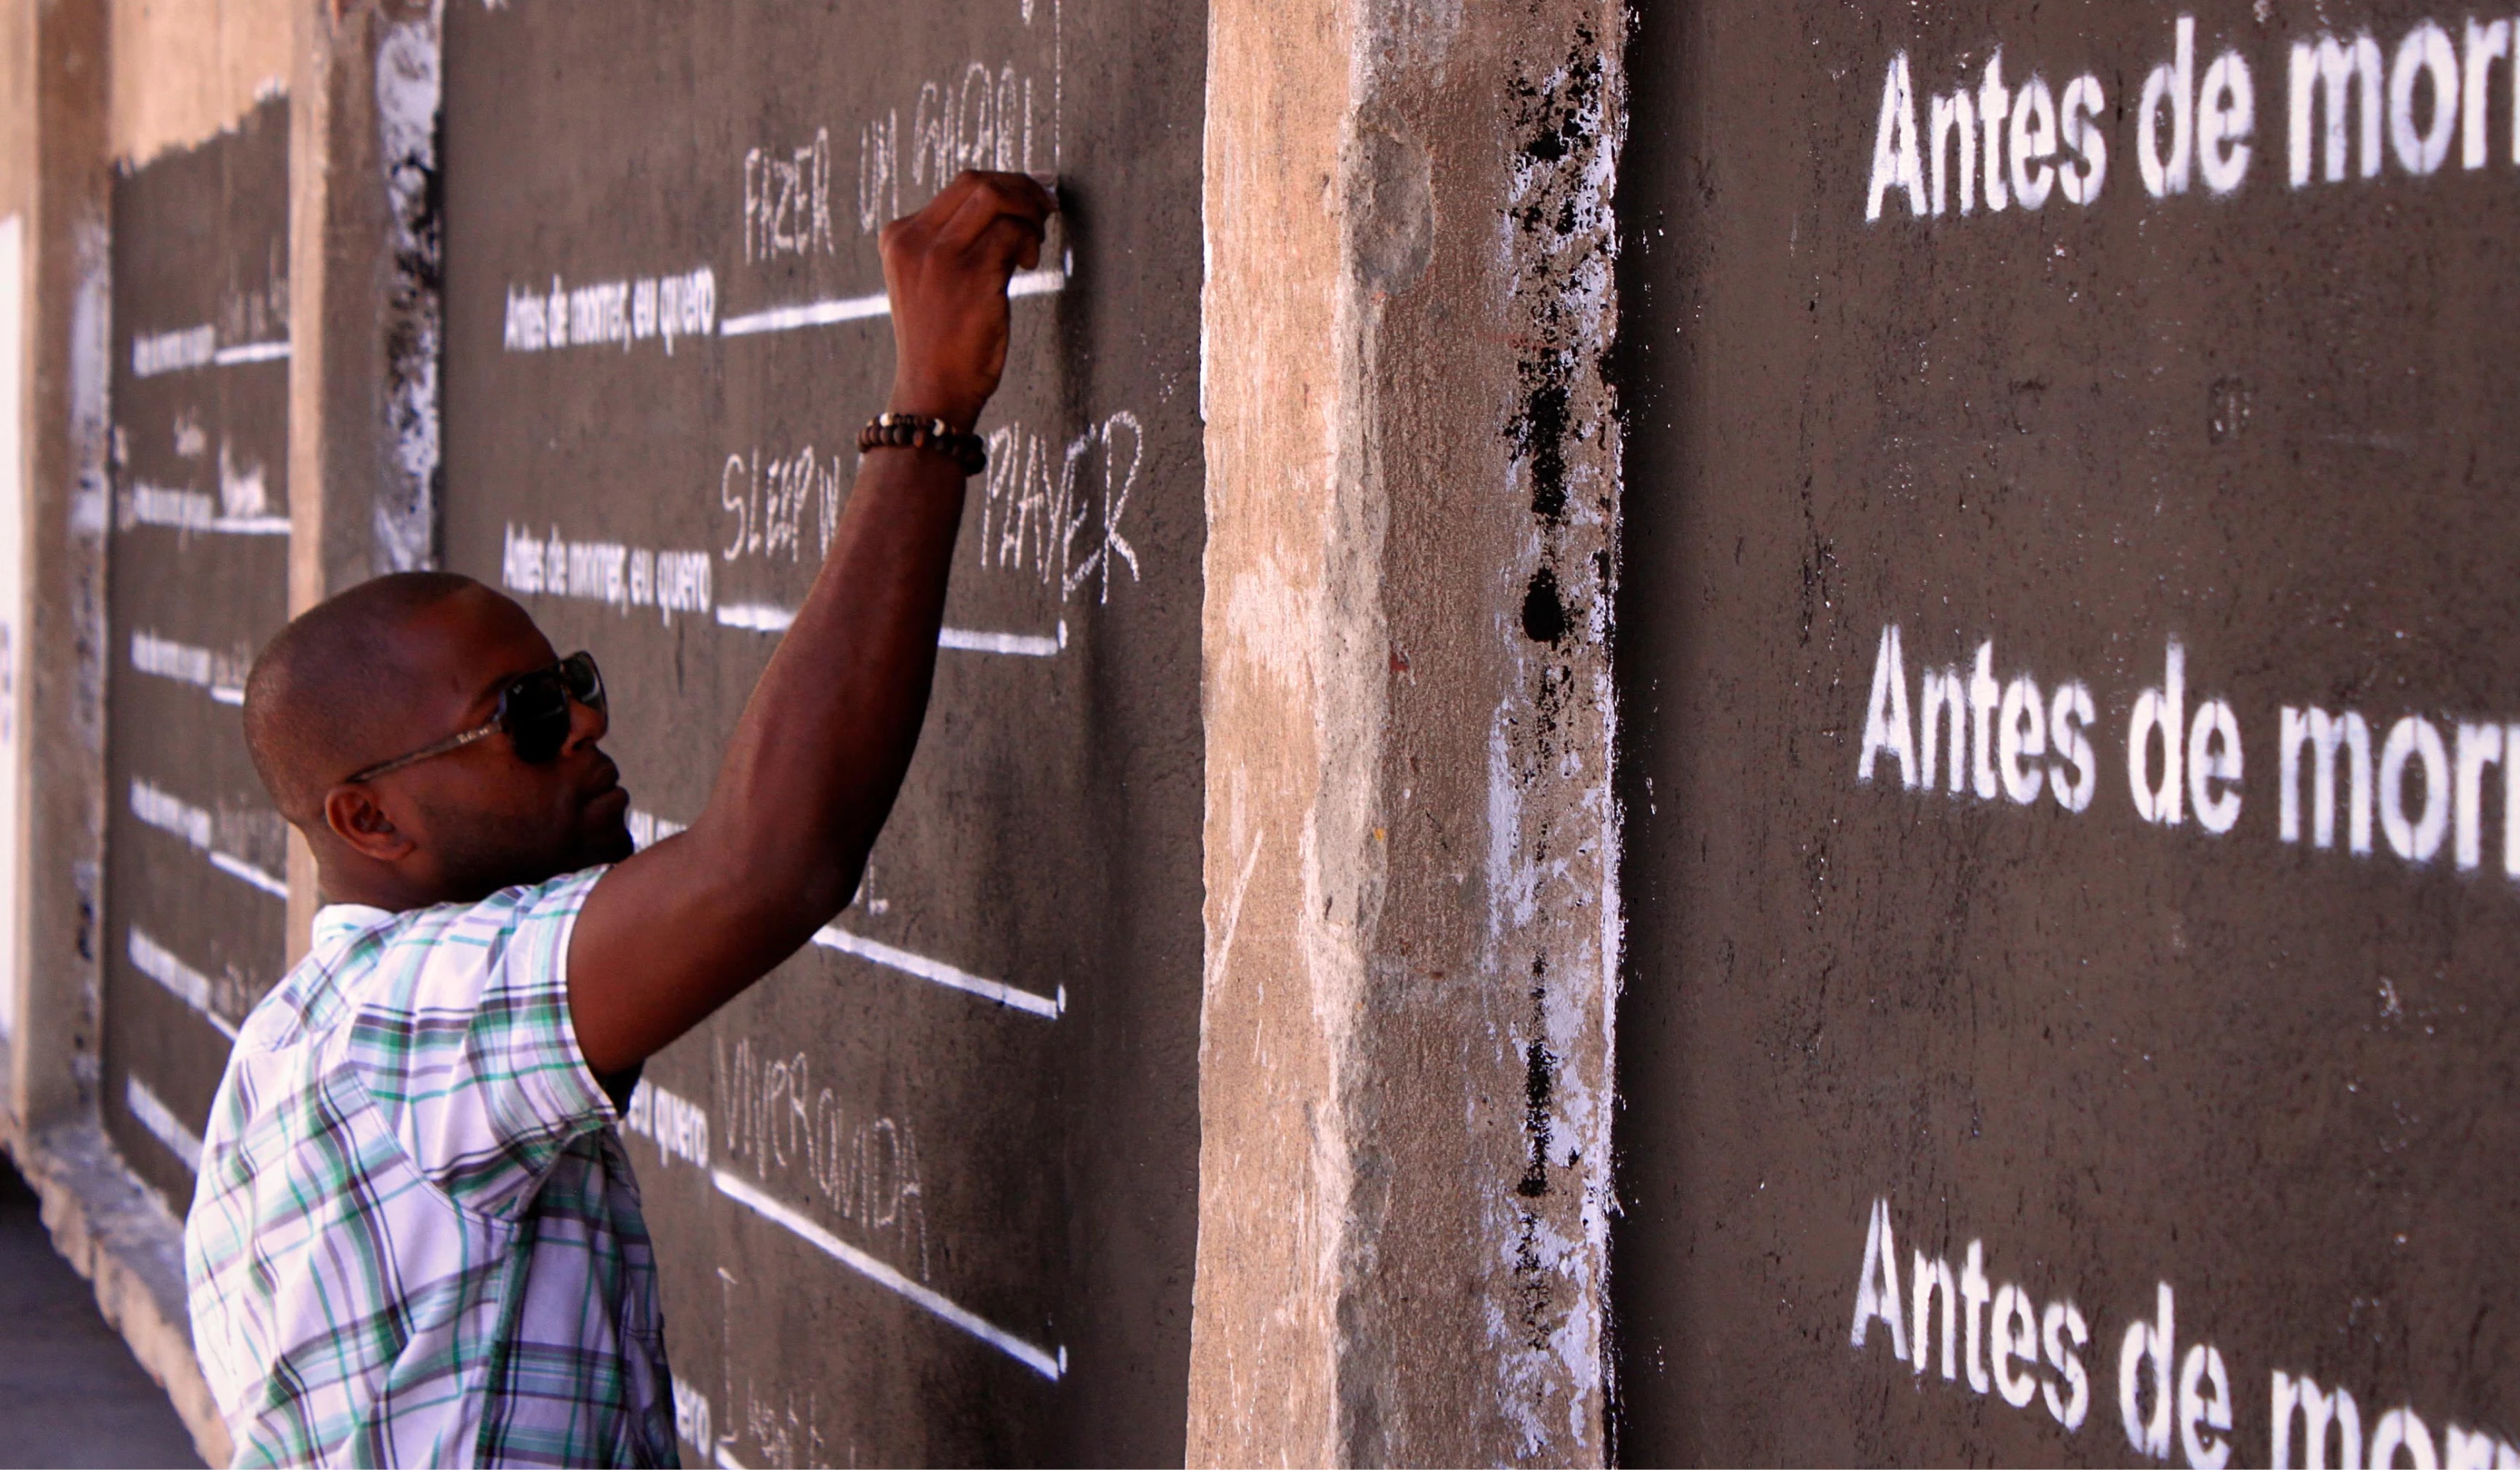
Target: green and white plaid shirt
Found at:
x=416, y=1239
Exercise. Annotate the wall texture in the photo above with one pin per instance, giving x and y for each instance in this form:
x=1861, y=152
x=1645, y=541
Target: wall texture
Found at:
x=2013, y=1079
x=1411, y=847
x=926, y=1194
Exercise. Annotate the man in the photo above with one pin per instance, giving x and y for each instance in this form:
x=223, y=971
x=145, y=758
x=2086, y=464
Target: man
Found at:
x=416, y=1238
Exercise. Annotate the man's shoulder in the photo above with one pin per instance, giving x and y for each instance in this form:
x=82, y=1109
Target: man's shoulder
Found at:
x=367, y=959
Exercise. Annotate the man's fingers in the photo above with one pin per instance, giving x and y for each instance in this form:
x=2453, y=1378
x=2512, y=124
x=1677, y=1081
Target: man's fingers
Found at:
x=980, y=198
x=1011, y=241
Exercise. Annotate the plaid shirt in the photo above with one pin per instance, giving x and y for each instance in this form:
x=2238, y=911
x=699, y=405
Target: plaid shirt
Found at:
x=416, y=1239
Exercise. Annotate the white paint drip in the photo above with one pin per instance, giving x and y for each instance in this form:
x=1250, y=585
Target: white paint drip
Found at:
x=1048, y=1366
x=181, y=980
x=937, y=971
x=152, y=1114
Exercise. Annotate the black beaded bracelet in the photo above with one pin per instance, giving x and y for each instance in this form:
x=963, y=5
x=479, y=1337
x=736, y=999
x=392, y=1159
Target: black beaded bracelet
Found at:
x=909, y=431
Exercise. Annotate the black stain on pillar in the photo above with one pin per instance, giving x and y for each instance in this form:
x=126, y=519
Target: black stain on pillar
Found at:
x=1544, y=610
x=1539, y=1082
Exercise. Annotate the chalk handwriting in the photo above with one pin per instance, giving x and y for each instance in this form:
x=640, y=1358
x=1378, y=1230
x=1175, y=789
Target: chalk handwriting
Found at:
x=864, y=1165
x=611, y=313
x=787, y=200
x=985, y=115
x=770, y=497
x=1055, y=509
x=605, y=571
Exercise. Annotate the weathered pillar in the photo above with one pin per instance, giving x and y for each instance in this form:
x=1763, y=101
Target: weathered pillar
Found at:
x=1411, y=916
x=364, y=312
x=69, y=305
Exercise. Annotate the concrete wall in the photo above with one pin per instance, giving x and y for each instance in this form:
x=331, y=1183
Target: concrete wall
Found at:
x=1411, y=849
x=182, y=72
x=90, y=90
x=1405, y=545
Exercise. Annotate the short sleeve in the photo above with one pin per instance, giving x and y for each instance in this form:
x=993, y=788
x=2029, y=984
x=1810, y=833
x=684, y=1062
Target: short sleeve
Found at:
x=464, y=1044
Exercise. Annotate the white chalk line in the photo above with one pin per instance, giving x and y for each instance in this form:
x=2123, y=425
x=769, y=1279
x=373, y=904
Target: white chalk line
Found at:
x=726, y=1461
x=237, y=867
x=938, y=972
x=227, y=693
x=835, y=310
x=156, y=1116
x=249, y=352
x=1019, y=644
x=765, y=617
x=754, y=617
x=180, y=980
x=1051, y=1368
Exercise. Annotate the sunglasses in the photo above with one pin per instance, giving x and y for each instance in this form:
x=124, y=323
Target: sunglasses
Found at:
x=533, y=710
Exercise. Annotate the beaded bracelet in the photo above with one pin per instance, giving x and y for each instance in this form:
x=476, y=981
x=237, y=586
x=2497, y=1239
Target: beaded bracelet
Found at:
x=910, y=431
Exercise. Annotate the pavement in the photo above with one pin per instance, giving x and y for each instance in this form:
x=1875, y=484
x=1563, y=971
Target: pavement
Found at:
x=70, y=1394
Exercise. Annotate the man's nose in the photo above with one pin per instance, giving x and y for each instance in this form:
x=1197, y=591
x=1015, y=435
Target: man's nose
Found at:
x=587, y=723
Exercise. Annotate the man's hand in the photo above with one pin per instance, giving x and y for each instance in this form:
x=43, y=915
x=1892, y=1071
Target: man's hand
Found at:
x=947, y=268
x=672, y=933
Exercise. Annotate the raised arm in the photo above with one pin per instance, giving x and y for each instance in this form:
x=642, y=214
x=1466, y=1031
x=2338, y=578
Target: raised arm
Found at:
x=674, y=932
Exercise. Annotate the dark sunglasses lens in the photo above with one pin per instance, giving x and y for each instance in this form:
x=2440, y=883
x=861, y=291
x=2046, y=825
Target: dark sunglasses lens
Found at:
x=537, y=717
x=584, y=681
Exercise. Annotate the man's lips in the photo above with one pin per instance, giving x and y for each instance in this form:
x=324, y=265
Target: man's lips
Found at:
x=606, y=789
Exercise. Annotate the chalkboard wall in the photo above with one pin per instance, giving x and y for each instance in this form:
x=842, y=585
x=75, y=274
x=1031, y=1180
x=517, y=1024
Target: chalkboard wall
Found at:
x=2068, y=633
x=928, y=1193
x=198, y=573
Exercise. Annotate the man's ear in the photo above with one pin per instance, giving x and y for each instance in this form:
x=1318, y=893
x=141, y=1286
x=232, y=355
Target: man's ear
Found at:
x=355, y=817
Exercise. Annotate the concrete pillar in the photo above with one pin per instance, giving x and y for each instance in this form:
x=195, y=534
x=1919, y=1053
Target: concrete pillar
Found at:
x=68, y=320
x=364, y=312
x=1410, y=845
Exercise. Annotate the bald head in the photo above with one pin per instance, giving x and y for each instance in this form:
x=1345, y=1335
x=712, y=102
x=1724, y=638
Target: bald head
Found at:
x=328, y=696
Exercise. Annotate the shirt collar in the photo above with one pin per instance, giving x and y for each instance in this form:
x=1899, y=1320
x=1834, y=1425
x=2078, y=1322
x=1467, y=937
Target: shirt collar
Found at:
x=336, y=922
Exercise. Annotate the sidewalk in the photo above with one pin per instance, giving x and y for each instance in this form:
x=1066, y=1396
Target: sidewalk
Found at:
x=70, y=1392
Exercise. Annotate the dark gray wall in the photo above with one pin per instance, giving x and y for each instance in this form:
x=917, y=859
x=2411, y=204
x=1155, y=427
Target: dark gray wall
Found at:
x=2129, y=1062
x=198, y=570
x=906, y=1190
